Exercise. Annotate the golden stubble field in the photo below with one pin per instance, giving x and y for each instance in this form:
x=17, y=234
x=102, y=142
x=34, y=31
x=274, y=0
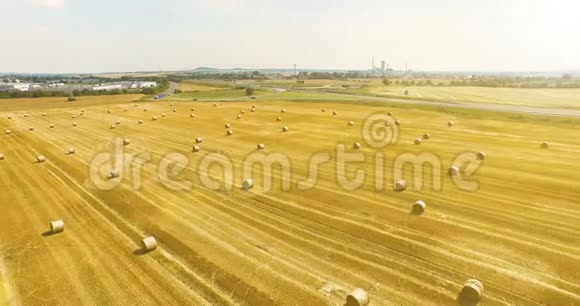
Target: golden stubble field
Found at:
x=519, y=233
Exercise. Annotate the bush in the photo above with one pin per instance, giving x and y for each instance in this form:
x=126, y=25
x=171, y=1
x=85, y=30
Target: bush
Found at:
x=72, y=99
x=250, y=91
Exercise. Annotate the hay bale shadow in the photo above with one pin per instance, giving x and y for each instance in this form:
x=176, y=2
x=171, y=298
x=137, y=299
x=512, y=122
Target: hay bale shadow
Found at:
x=48, y=233
x=140, y=252
x=417, y=211
x=350, y=301
x=467, y=298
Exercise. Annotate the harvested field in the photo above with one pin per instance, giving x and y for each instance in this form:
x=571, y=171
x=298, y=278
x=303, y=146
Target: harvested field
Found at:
x=518, y=233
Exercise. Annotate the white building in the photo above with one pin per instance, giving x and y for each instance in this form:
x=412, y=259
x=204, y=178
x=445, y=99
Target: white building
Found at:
x=143, y=85
x=108, y=87
x=15, y=87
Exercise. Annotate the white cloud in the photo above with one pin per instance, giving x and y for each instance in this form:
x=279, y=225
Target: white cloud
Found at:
x=50, y=3
x=56, y=4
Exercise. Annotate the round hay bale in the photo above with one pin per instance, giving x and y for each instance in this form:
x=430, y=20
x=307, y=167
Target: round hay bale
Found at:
x=82, y=110
x=214, y=105
x=44, y=115
x=419, y=207
x=357, y=297
x=163, y=115
x=243, y=111
x=8, y=132
x=253, y=105
x=418, y=141
x=453, y=171
x=196, y=148
x=239, y=116
x=193, y=109
x=545, y=145
x=450, y=123
x=390, y=114
x=154, y=118
x=253, y=110
x=140, y=121
x=175, y=110
x=229, y=133
x=114, y=173
x=426, y=136
x=51, y=126
x=228, y=125
x=25, y=115
x=400, y=185
x=125, y=109
x=283, y=110
x=73, y=116
x=31, y=129
x=248, y=184
x=170, y=104
x=56, y=226
x=334, y=113
x=109, y=111
x=117, y=122
x=260, y=146
x=323, y=110
x=9, y=117
x=481, y=155
x=356, y=146
x=70, y=151
x=2, y=157
x=74, y=124
x=351, y=123
x=284, y=129
x=198, y=140
x=126, y=142
x=145, y=110
x=148, y=244
x=192, y=115
x=397, y=122
x=472, y=291
x=113, y=126
x=40, y=159
x=279, y=119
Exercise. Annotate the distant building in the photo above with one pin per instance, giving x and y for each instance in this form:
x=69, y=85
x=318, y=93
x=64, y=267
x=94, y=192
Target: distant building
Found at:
x=143, y=85
x=15, y=87
x=108, y=87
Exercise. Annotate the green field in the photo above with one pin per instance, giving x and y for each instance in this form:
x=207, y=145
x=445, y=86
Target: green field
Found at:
x=218, y=94
x=192, y=85
x=538, y=97
x=545, y=97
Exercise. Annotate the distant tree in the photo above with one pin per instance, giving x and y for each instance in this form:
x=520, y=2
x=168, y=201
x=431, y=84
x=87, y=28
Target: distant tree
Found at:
x=386, y=82
x=566, y=77
x=250, y=91
x=256, y=73
x=148, y=91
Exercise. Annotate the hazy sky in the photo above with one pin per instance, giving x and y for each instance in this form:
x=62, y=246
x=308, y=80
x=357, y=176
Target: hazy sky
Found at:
x=131, y=35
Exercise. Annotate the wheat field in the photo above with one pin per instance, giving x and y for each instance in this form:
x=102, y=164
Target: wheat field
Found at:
x=518, y=233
